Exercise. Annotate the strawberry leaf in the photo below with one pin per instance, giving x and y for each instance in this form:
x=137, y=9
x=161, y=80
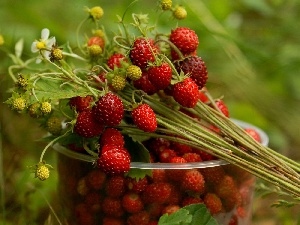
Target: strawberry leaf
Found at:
x=195, y=214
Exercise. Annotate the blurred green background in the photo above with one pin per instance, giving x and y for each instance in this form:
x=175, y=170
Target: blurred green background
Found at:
x=251, y=49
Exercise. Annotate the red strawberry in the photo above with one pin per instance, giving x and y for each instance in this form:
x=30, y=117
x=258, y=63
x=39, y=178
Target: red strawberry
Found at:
x=192, y=157
x=109, y=109
x=213, y=175
x=157, y=193
x=191, y=200
x=95, y=179
x=186, y=93
x=112, y=221
x=166, y=155
x=144, y=118
x=140, y=218
x=135, y=185
x=115, y=160
x=180, y=149
x=95, y=40
x=115, y=60
x=226, y=187
x=169, y=209
x=132, y=203
x=112, y=136
x=222, y=107
x=185, y=39
x=158, y=176
x=112, y=207
x=115, y=186
x=176, y=174
x=93, y=201
x=86, y=126
x=81, y=103
x=195, y=68
x=157, y=145
x=144, y=84
x=83, y=215
x=142, y=52
x=205, y=156
x=193, y=181
x=253, y=133
x=160, y=76
x=213, y=203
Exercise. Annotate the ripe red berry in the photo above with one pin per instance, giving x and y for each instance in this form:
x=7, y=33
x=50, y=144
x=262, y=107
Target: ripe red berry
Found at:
x=111, y=136
x=253, y=133
x=192, y=157
x=191, y=200
x=112, y=207
x=213, y=203
x=170, y=209
x=193, y=181
x=140, y=218
x=195, y=68
x=185, y=39
x=81, y=103
x=109, y=109
x=160, y=76
x=95, y=179
x=144, y=84
x=166, y=155
x=144, y=118
x=116, y=160
x=112, y=221
x=222, y=107
x=86, y=125
x=115, y=186
x=136, y=185
x=142, y=52
x=157, y=193
x=115, y=60
x=186, y=93
x=132, y=202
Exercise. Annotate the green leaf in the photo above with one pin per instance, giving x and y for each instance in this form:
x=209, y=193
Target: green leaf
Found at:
x=53, y=89
x=139, y=173
x=195, y=214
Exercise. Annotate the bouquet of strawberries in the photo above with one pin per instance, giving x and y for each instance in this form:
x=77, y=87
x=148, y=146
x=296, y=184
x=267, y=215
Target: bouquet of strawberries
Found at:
x=136, y=96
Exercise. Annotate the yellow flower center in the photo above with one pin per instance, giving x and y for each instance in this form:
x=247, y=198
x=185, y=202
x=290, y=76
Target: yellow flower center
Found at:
x=40, y=45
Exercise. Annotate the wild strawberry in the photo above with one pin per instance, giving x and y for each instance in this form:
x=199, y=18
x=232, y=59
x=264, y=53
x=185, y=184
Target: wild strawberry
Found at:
x=157, y=193
x=133, y=72
x=192, y=157
x=179, y=13
x=109, y=110
x=53, y=125
x=112, y=221
x=115, y=60
x=165, y=4
x=186, y=93
x=136, y=185
x=82, y=187
x=169, y=209
x=93, y=200
x=81, y=103
x=83, y=215
x=226, y=187
x=195, y=68
x=191, y=200
x=160, y=76
x=202, y=96
x=114, y=161
x=112, y=136
x=46, y=107
x=118, y=82
x=115, y=186
x=185, y=39
x=140, y=218
x=144, y=84
x=166, y=155
x=142, y=52
x=42, y=171
x=253, y=133
x=95, y=179
x=176, y=194
x=144, y=118
x=18, y=104
x=193, y=181
x=176, y=174
x=95, y=51
x=213, y=203
x=158, y=176
x=112, y=207
x=96, y=12
x=213, y=175
x=86, y=126
x=157, y=145
x=132, y=203
x=233, y=220
x=222, y=107
x=179, y=148
x=96, y=40
x=205, y=156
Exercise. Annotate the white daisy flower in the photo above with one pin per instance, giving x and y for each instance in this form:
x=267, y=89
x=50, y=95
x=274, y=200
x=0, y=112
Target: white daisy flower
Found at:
x=43, y=45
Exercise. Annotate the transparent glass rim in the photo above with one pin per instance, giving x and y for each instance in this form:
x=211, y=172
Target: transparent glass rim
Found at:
x=143, y=165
